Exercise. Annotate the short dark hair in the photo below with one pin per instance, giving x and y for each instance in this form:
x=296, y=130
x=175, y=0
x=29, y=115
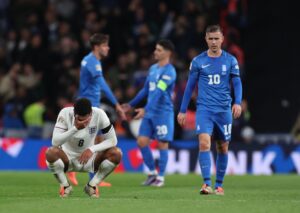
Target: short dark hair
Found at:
x=82, y=107
x=98, y=38
x=214, y=28
x=166, y=44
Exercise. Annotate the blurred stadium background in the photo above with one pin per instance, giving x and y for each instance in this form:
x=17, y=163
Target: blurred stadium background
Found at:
x=43, y=41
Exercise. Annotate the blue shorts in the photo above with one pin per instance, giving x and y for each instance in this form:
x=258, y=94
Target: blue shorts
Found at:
x=217, y=124
x=159, y=127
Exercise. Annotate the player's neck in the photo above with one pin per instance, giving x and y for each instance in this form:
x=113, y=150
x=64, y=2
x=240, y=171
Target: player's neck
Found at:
x=214, y=54
x=163, y=62
x=96, y=54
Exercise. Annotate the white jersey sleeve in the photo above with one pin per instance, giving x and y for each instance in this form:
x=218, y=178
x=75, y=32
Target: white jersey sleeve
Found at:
x=108, y=132
x=76, y=141
x=62, y=132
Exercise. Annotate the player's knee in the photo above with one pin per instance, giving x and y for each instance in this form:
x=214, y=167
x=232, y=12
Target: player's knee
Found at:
x=204, y=146
x=57, y=166
x=114, y=155
x=163, y=145
x=52, y=154
x=222, y=147
x=204, y=142
x=118, y=155
x=142, y=142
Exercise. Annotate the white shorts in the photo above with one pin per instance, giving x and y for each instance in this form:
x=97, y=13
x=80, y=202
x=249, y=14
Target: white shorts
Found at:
x=76, y=166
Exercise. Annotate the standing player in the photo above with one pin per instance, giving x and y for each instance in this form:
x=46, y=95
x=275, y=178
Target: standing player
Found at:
x=158, y=115
x=92, y=81
x=213, y=70
x=73, y=147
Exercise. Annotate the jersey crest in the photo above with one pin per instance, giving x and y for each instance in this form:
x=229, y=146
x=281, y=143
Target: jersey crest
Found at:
x=98, y=67
x=224, y=69
x=92, y=130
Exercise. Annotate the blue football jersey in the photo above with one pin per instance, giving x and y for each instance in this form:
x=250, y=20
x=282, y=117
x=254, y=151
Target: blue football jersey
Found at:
x=166, y=75
x=90, y=73
x=92, y=81
x=213, y=76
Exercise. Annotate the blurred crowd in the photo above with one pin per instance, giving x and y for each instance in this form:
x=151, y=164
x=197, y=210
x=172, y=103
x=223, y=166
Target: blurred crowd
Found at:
x=43, y=41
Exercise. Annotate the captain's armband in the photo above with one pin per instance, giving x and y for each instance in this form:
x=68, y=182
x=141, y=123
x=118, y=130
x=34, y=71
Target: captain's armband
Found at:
x=162, y=85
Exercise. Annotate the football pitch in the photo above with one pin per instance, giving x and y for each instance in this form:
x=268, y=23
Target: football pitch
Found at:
x=38, y=192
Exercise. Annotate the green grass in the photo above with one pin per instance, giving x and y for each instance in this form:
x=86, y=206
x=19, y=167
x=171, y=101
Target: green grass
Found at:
x=38, y=192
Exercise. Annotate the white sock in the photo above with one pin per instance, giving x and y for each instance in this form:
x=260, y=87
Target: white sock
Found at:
x=105, y=168
x=153, y=172
x=161, y=178
x=57, y=168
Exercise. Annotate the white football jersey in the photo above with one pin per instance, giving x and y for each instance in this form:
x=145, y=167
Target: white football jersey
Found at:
x=84, y=138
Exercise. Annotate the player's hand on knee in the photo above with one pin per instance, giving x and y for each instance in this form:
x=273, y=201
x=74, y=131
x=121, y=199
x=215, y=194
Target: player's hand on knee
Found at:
x=181, y=117
x=140, y=113
x=236, y=110
x=85, y=156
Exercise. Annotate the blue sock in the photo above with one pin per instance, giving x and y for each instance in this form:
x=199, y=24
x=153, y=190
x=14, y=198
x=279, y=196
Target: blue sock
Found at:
x=205, y=164
x=148, y=158
x=91, y=175
x=163, y=160
x=221, y=164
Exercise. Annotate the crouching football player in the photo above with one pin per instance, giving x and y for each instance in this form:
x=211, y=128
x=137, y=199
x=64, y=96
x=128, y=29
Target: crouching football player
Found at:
x=73, y=146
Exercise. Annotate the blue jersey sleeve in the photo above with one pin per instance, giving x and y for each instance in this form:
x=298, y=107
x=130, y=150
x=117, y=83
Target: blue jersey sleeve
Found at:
x=166, y=79
x=236, y=81
x=235, y=70
x=105, y=88
x=141, y=94
x=237, y=88
x=192, y=80
x=94, y=69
